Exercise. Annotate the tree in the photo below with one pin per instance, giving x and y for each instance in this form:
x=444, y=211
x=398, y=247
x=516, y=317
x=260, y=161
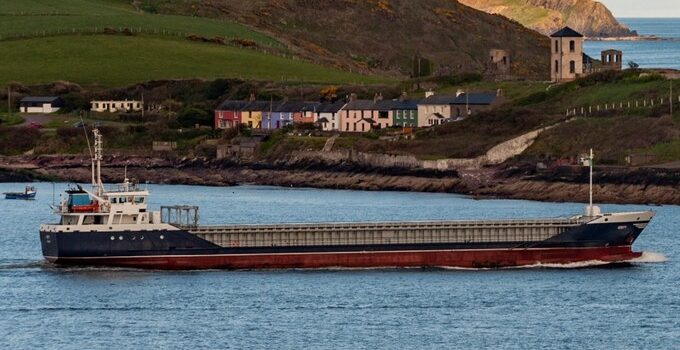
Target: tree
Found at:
x=188, y=117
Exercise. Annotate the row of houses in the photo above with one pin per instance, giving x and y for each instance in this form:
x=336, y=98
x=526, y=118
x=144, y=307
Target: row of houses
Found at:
x=355, y=115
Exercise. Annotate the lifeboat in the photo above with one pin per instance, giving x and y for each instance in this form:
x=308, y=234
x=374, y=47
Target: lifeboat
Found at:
x=93, y=207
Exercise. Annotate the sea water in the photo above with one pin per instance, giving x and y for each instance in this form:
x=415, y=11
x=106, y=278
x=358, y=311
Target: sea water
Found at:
x=648, y=54
x=572, y=306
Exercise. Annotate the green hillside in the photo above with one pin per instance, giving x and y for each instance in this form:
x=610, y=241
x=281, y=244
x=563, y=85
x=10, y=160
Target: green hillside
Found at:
x=119, y=60
x=33, y=18
x=44, y=40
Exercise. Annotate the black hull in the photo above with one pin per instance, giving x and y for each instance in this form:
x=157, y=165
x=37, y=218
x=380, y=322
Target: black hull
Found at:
x=183, y=250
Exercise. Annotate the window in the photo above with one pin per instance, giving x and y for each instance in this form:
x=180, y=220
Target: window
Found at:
x=382, y=114
x=557, y=66
x=572, y=67
x=572, y=46
x=557, y=46
x=139, y=200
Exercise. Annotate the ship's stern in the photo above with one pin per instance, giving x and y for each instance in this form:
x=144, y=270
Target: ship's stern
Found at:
x=49, y=244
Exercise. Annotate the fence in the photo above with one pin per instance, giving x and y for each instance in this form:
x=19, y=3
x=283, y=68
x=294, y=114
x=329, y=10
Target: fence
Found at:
x=590, y=110
x=273, y=48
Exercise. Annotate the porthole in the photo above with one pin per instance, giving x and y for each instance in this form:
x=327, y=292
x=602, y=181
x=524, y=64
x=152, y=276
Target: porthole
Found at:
x=606, y=220
x=113, y=238
x=162, y=237
x=120, y=238
x=141, y=238
x=47, y=236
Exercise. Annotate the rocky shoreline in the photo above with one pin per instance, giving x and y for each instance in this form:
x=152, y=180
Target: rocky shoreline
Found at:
x=491, y=182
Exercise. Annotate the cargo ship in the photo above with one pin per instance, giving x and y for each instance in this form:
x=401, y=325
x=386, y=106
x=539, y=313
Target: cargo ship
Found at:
x=113, y=227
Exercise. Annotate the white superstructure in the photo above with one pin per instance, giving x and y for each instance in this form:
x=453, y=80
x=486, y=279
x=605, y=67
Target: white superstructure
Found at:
x=123, y=208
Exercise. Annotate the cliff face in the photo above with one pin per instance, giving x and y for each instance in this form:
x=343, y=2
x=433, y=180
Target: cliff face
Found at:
x=589, y=17
x=383, y=35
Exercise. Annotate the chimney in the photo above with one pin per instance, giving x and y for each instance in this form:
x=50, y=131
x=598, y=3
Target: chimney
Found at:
x=252, y=97
x=352, y=97
x=459, y=92
x=499, y=93
x=429, y=93
x=403, y=97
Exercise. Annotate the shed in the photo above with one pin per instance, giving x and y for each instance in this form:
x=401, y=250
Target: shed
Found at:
x=40, y=104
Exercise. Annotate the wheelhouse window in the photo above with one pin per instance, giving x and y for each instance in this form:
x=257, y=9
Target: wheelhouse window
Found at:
x=139, y=200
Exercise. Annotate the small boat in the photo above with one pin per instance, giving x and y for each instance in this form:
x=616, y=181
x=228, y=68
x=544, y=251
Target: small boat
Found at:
x=29, y=193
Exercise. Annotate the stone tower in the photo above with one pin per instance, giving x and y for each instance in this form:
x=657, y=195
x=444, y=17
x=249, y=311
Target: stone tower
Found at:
x=566, y=55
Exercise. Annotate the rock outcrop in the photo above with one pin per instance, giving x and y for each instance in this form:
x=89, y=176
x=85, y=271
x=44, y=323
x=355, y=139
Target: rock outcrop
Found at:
x=589, y=17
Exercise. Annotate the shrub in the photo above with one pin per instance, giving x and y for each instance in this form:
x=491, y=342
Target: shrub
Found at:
x=18, y=140
x=188, y=117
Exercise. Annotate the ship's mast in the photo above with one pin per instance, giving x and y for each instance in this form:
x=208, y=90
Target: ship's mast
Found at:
x=591, y=210
x=98, y=152
x=590, y=163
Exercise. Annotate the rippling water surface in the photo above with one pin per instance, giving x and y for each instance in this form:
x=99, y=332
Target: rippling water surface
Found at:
x=570, y=307
x=648, y=54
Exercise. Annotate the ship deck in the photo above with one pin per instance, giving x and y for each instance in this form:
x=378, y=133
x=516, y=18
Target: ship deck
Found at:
x=371, y=233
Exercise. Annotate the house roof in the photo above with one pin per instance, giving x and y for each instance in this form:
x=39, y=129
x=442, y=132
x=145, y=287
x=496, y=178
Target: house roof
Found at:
x=437, y=115
x=361, y=105
x=40, y=99
x=330, y=107
x=405, y=105
x=322, y=120
x=566, y=32
x=257, y=106
x=367, y=120
x=289, y=106
x=475, y=98
x=310, y=107
x=438, y=100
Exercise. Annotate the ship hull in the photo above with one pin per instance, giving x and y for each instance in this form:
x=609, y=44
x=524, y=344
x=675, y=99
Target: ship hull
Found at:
x=472, y=258
x=179, y=249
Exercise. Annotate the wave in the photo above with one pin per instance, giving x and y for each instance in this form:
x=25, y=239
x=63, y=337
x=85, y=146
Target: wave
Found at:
x=650, y=257
x=23, y=264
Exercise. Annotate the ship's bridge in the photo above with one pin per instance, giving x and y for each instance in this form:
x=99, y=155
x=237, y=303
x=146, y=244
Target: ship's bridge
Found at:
x=127, y=202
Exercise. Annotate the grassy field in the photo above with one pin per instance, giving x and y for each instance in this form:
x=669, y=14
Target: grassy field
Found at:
x=9, y=120
x=42, y=41
x=119, y=60
x=36, y=18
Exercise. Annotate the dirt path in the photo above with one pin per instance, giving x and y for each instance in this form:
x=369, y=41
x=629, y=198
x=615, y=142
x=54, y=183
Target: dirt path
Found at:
x=34, y=118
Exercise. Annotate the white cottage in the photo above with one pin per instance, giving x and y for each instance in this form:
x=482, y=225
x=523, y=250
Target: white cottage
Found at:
x=40, y=104
x=116, y=106
x=329, y=115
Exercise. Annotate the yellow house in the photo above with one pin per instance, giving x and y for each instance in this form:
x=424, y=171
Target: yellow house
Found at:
x=251, y=115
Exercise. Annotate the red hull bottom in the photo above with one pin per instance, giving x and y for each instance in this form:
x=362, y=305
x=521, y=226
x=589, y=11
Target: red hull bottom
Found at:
x=451, y=258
